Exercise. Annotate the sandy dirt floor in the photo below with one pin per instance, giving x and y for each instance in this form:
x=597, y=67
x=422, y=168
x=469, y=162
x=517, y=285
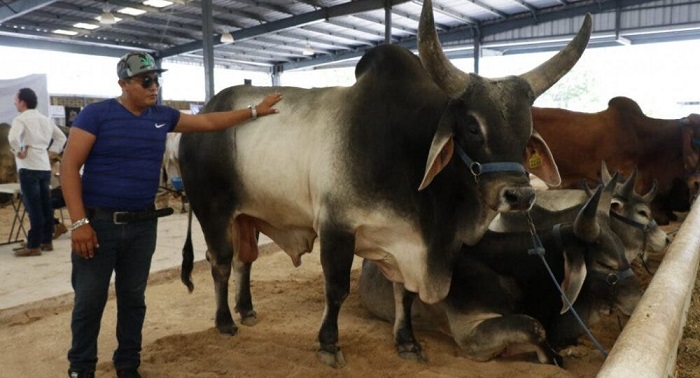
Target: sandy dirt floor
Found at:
x=180, y=340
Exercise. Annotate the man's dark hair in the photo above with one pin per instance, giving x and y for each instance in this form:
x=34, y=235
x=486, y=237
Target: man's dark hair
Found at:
x=28, y=96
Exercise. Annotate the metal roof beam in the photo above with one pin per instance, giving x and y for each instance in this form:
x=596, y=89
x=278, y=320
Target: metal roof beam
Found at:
x=353, y=27
x=382, y=22
x=340, y=35
x=20, y=8
x=488, y=8
x=525, y=5
x=578, y=8
x=447, y=12
x=68, y=46
x=291, y=22
x=149, y=32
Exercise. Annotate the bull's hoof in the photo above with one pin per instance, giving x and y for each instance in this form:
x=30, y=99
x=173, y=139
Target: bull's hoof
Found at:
x=227, y=329
x=335, y=360
x=249, y=319
x=577, y=351
x=411, y=351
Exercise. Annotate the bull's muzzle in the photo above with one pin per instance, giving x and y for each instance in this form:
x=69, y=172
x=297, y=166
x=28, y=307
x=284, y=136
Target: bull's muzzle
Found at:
x=518, y=198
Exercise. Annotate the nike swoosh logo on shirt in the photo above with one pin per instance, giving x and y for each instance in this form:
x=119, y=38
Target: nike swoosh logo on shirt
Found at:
x=159, y=125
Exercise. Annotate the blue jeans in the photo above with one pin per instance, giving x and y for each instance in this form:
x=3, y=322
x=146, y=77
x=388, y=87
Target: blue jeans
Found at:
x=36, y=197
x=127, y=250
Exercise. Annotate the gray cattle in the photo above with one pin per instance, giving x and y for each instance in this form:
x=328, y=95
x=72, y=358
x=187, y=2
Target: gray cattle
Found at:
x=631, y=215
x=503, y=298
x=402, y=168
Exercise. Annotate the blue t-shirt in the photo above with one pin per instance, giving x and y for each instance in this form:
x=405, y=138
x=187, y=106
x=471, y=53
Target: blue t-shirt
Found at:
x=122, y=170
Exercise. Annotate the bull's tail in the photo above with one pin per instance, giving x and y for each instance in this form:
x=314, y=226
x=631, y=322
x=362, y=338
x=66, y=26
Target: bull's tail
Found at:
x=188, y=256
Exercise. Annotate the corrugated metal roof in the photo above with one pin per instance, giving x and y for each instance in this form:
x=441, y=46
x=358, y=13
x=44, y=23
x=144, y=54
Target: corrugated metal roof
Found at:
x=275, y=34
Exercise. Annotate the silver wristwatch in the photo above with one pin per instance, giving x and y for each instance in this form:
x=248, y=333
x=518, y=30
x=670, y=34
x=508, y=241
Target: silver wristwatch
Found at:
x=253, y=111
x=79, y=223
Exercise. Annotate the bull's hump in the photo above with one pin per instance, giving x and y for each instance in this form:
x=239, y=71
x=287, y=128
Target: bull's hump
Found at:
x=626, y=105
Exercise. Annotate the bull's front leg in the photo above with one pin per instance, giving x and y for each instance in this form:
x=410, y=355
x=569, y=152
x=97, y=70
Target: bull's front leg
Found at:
x=515, y=333
x=406, y=344
x=337, y=252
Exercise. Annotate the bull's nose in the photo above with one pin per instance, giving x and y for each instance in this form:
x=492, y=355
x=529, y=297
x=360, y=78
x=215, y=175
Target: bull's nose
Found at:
x=518, y=198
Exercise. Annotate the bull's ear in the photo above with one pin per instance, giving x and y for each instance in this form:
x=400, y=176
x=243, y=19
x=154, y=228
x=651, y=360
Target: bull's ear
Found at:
x=440, y=150
x=539, y=161
x=574, y=275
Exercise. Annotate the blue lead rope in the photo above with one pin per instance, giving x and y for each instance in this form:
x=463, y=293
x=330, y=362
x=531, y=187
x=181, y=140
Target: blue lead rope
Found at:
x=538, y=249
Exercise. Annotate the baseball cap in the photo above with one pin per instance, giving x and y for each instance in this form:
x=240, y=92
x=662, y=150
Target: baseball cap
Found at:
x=135, y=63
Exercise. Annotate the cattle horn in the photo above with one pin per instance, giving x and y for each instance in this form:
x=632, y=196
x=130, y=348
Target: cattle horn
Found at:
x=627, y=188
x=608, y=192
x=548, y=73
x=647, y=198
x=448, y=77
x=589, y=191
x=604, y=173
x=586, y=224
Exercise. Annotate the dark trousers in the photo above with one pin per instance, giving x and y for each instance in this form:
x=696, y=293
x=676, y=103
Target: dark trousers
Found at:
x=36, y=197
x=127, y=250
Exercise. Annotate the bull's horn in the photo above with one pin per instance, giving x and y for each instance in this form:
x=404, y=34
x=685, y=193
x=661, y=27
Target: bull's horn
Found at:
x=589, y=191
x=604, y=173
x=586, y=224
x=608, y=192
x=627, y=188
x=548, y=73
x=448, y=77
x=647, y=198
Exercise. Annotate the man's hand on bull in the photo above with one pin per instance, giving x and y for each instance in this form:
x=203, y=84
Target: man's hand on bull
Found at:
x=265, y=107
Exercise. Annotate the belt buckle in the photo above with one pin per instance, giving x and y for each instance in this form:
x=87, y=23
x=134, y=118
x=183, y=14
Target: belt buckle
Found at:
x=116, y=214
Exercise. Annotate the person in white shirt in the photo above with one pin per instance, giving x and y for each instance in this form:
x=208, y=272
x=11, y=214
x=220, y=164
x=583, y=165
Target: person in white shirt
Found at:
x=32, y=134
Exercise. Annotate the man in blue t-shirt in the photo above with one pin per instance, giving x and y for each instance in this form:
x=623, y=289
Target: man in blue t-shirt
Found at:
x=119, y=143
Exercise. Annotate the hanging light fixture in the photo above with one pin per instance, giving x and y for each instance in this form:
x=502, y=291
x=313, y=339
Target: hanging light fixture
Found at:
x=107, y=18
x=226, y=37
x=308, y=51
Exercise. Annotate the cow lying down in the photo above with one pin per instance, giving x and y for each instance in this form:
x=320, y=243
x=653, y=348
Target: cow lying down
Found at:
x=502, y=300
x=631, y=215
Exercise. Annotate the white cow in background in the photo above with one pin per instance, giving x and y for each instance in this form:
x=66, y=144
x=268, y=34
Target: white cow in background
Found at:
x=170, y=170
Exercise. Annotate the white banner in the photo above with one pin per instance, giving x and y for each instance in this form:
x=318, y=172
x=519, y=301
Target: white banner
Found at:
x=57, y=111
x=10, y=87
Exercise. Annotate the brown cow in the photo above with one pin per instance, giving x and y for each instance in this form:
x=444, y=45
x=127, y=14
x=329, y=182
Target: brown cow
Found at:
x=662, y=149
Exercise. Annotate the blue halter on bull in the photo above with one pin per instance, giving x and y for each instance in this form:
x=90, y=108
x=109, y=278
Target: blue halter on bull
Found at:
x=343, y=165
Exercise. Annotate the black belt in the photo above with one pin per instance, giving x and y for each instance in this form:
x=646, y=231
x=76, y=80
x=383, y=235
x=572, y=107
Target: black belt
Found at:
x=121, y=217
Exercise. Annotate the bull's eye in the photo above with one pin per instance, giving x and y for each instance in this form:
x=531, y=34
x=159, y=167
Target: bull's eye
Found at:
x=644, y=214
x=471, y=126
x=616, y=207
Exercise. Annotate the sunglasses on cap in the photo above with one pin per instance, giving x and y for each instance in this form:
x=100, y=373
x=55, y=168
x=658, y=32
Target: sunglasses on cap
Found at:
x=147, y=81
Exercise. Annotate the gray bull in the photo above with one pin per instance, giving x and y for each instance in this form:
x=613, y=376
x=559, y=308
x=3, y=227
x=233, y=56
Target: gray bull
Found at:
x=503, y=298
x=368, y=170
